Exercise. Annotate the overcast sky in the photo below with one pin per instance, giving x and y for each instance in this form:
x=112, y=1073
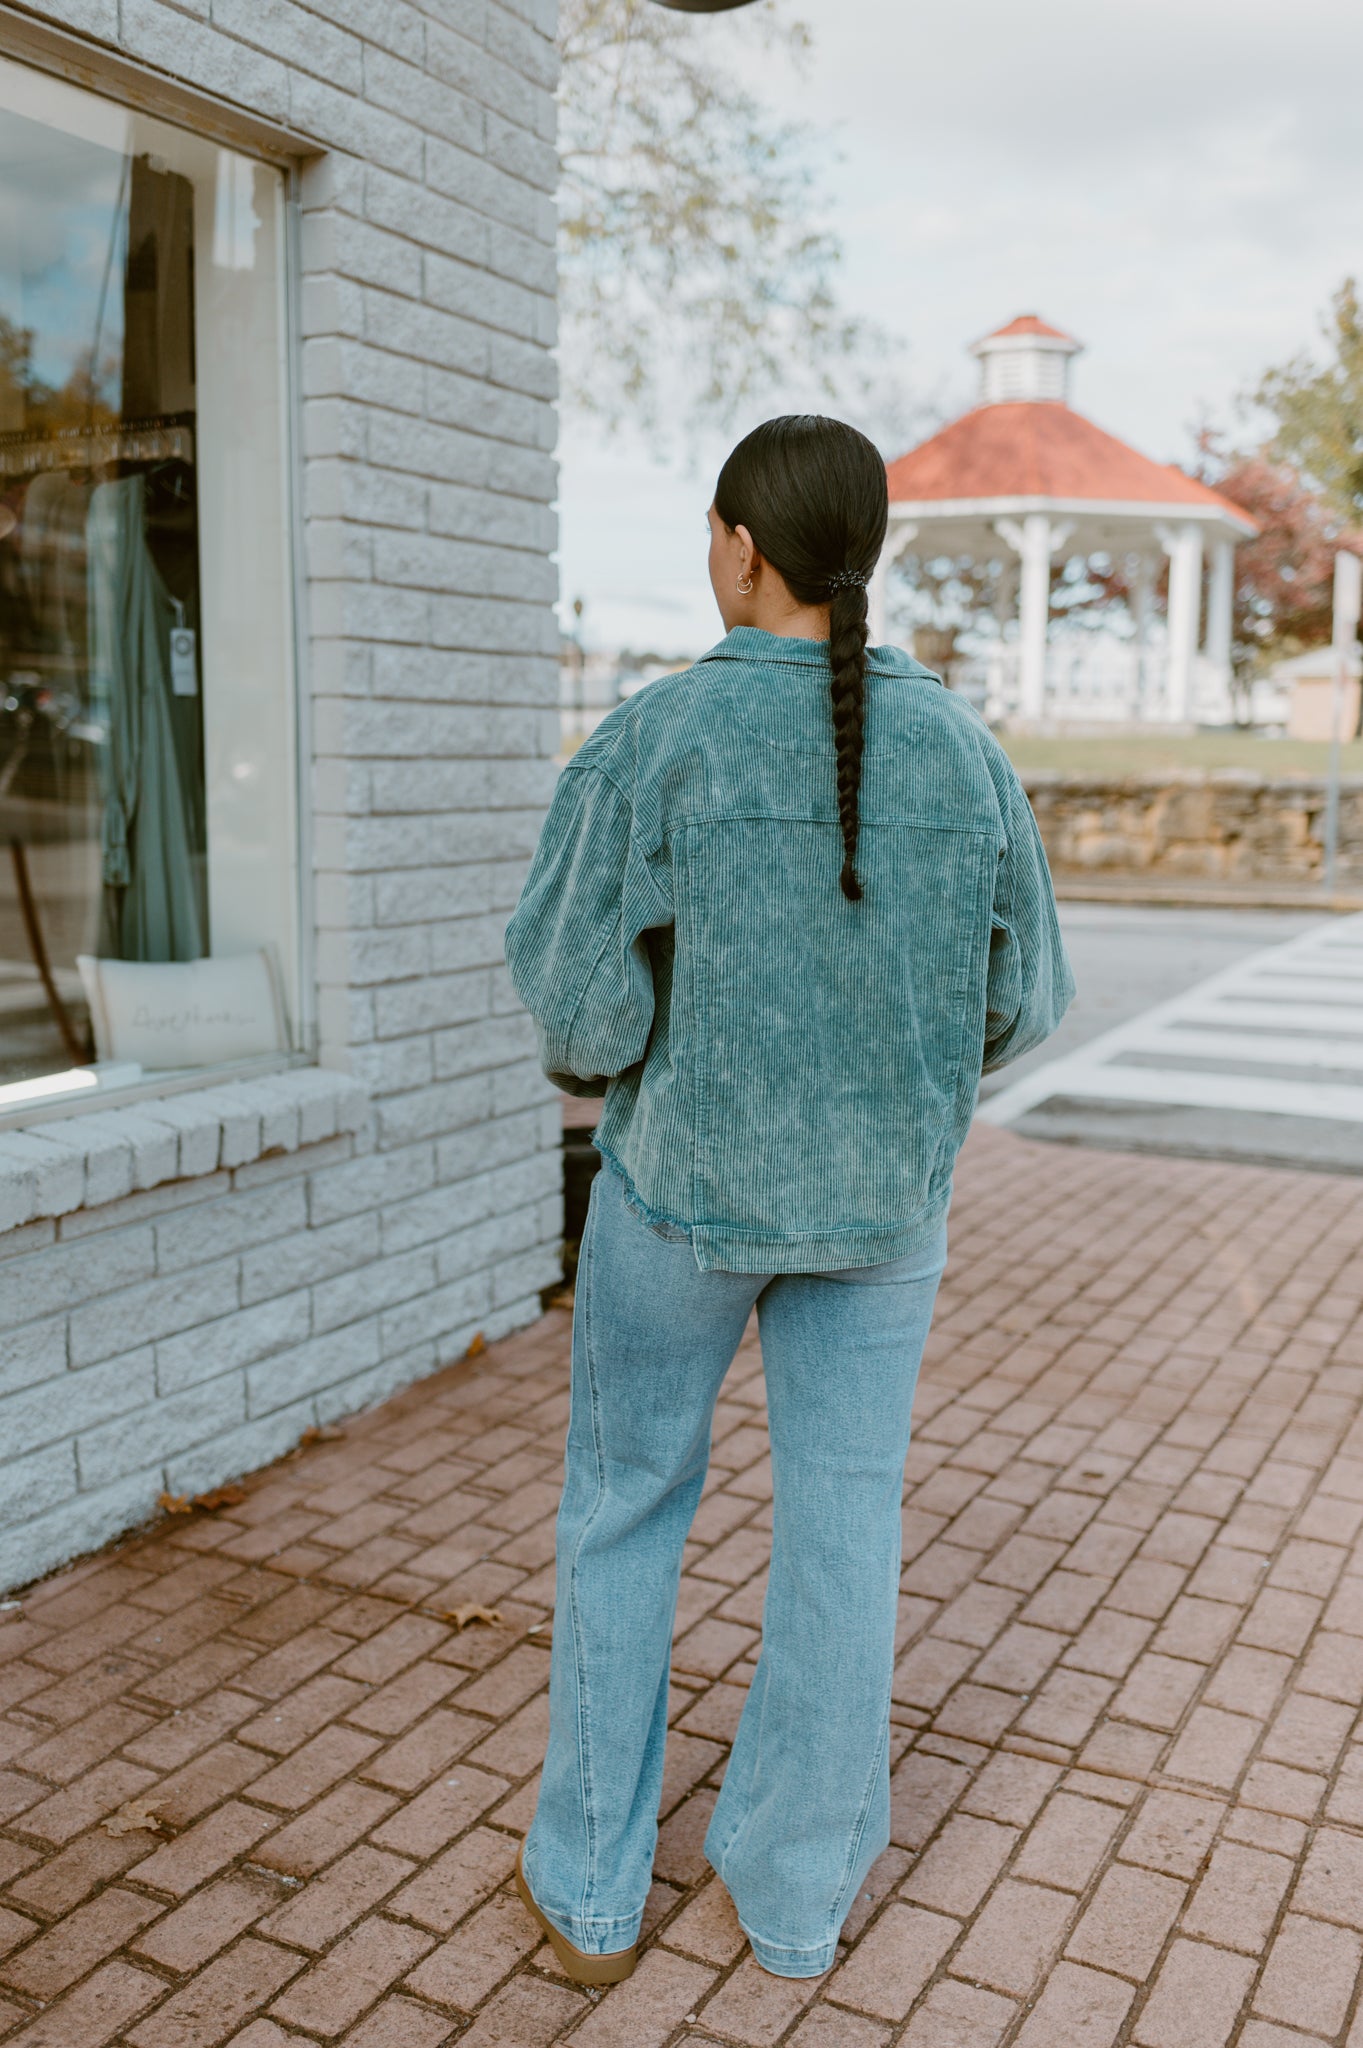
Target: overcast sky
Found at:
x=1179, y=183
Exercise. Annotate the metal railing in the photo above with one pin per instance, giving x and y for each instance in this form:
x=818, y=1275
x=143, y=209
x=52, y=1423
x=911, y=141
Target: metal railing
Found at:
x=1086, y=685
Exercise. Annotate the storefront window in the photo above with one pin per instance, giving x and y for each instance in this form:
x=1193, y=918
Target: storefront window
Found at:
x=147, y=770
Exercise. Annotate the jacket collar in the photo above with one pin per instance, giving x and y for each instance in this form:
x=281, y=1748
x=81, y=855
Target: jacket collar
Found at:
x=751, y=644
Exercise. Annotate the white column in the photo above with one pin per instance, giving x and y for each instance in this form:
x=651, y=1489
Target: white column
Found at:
x=900, y=533
x=1183, y=545
x=875, y=604
x=1141, y=587
x=1034, y=543
x=1006, y=591
x=1220, y=607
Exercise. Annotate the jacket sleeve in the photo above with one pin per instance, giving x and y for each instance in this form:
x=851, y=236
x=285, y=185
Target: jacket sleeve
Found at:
x=1030, y=984
x=575, y=945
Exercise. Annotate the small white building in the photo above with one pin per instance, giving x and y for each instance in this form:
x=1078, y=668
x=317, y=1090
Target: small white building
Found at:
x=1313, y=703
x=1026, y=477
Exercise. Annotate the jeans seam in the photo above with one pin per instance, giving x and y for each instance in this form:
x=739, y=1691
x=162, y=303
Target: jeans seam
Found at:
x=583, y=1716
x=727, y=1844
x=745, y=1819
x=784, y=1948
x=586, y=1923
x=839, y=1910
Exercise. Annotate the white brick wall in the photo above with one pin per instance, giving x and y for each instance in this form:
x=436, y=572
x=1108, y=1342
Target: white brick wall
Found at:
x=199, y=1285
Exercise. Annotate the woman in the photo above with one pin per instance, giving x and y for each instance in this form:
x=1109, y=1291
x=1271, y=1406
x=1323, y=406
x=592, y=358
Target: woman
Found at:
x=788, y=905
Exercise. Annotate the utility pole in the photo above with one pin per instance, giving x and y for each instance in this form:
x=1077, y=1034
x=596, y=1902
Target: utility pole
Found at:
x=580, y=670
x=1344, y=643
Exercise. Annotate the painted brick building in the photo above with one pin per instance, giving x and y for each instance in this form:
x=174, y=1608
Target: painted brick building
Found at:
x=287, y=415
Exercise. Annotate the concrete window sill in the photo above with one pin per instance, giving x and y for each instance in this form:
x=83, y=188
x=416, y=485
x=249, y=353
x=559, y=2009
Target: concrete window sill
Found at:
x=81, y=1161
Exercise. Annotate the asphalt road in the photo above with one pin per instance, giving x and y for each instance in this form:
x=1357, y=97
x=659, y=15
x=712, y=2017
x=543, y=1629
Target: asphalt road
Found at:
x=1127, y=960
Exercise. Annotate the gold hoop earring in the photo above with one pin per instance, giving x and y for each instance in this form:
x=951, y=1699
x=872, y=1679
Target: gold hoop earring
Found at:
x=745, y=587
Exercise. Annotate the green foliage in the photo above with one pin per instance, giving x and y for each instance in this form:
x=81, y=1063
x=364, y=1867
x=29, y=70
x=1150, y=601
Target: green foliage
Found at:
x=16, y=372
x=1318, y=408
x=28, y=404
x=1284, y=577
x=694, y=278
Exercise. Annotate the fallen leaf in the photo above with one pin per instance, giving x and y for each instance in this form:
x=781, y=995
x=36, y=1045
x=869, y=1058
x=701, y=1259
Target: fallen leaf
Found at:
x=315, y=1436
x=174, y=1503
x=462, y=1616
x=477, y=1345
x=221, y=1497
x=137, y=1816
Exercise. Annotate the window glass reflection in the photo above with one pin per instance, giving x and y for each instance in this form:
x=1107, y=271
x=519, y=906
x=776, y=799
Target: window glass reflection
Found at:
x=146, y=741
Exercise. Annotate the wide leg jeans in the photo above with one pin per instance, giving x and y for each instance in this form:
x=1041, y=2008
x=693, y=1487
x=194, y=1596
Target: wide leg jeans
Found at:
x=805, y=1806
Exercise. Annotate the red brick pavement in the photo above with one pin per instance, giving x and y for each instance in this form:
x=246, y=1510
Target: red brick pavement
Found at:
x=1128, y=1786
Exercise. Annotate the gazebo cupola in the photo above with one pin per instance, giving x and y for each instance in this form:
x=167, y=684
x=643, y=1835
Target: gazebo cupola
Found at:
x=1025, y=481
x=1026, y=360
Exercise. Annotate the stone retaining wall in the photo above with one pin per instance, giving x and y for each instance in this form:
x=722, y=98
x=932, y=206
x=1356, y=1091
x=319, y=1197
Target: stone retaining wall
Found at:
x=1225, y=826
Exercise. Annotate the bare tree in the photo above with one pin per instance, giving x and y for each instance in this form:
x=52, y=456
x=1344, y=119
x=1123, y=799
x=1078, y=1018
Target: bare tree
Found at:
x=695, y=275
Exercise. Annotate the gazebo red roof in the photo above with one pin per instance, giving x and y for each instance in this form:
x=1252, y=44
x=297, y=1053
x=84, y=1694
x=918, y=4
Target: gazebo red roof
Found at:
x=1028, y=323
x=1041, y=449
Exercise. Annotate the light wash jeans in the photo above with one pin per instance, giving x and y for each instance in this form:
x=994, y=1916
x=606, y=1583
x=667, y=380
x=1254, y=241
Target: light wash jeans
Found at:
x=805, y=1807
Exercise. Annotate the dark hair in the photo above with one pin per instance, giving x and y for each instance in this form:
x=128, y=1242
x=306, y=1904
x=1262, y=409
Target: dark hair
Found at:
x=813, y=494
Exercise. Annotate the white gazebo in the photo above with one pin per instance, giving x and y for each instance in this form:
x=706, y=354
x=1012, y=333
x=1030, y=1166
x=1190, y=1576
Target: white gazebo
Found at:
x=1024, y=476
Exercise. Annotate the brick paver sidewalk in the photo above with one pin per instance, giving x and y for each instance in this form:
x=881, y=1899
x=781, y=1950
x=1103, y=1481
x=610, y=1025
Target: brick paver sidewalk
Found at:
x=1126, y=1804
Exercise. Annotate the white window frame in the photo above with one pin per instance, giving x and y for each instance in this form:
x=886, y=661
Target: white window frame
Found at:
x=109, y=75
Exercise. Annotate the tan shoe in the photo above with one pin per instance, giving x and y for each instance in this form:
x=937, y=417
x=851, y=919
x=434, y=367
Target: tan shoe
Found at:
x=577, y=1964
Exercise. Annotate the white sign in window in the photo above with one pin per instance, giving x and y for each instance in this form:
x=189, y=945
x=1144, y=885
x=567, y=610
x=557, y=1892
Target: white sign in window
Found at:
x=147, y=732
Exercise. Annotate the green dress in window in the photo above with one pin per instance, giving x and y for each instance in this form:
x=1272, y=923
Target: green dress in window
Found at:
x=147, y=853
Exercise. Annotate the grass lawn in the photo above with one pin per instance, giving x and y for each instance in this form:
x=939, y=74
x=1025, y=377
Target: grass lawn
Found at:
x=1113, y=754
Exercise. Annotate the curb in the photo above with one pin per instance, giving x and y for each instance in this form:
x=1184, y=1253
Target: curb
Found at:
x=1192, y=896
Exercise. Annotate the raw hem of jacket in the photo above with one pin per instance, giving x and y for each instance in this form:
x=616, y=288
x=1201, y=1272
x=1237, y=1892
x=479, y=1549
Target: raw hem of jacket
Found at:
x=728, y=1248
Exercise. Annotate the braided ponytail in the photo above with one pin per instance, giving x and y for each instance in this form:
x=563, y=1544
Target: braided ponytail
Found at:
x=813, y=494
x=847, y=659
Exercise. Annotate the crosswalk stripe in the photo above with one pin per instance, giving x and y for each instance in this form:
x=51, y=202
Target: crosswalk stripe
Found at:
x=1271, y=1016
x=1305, y=989
x=1295, y=1005
x=1331, y=970
x=1263, y=1048
x=1336, y=1101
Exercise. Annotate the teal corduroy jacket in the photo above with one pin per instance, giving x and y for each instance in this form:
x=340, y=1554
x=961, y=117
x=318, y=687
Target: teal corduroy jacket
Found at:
x=787, y=1075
